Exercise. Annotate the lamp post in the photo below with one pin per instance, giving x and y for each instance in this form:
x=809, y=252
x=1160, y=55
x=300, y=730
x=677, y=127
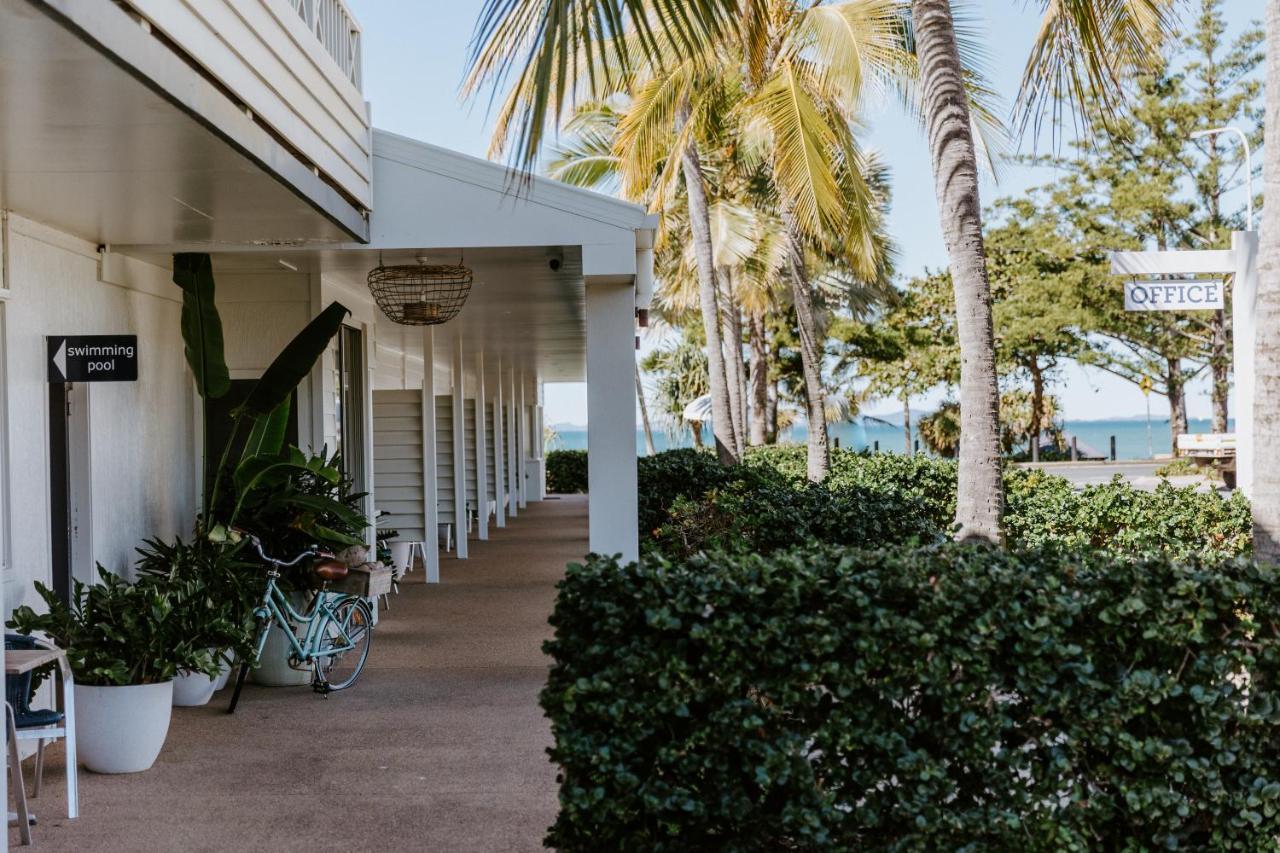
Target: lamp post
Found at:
x=1248, y=165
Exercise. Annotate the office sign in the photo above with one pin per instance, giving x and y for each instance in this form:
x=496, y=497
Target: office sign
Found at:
x=93, y=358
x=1173, y=294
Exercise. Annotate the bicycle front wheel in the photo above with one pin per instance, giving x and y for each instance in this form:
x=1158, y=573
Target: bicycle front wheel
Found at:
x=344, y=645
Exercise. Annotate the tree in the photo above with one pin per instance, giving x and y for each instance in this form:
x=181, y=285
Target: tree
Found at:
x=1145, y=183
x=980, y=493
x=1037, y=285
x=680, y=371
x=907, y=348
x=1266, y=406
x=1083, y=46
x=1221, y=90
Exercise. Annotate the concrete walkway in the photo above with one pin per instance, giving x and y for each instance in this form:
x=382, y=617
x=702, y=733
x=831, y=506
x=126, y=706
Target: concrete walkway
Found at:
x=439, y=747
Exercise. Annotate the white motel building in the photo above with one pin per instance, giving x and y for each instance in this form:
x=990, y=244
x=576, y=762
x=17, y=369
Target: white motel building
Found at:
x=134, y=129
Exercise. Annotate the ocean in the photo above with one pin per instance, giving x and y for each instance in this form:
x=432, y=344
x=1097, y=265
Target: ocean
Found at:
x=1094, y=437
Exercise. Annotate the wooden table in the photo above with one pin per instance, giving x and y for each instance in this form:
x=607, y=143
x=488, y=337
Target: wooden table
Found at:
x=19, y=662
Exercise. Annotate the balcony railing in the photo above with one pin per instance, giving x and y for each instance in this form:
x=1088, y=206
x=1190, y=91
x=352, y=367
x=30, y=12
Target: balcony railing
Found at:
x=337, y=30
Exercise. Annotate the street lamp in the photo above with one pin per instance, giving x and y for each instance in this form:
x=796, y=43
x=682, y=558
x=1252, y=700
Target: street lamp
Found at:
x=1248, y=164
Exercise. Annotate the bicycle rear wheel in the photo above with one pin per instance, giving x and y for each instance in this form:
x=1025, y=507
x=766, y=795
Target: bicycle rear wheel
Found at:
x=352, y=623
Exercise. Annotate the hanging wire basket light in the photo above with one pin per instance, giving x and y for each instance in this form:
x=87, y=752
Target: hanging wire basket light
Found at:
x=420, y=294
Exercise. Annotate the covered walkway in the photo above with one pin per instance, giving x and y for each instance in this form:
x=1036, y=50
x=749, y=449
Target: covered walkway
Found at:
x=440, y=746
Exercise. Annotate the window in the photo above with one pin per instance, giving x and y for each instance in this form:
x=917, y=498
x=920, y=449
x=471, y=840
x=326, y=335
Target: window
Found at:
x=349, y=404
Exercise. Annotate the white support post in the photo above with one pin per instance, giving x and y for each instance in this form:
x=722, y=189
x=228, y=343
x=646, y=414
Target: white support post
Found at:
x=522, y=446
x=513, y=468
x=459, y=451
x=482, y=454
x=430, y=488
x=613, y=527
x=499, y=454
x=541, y=430
x=1244, y=292
x=311, y=416
x=367, y=385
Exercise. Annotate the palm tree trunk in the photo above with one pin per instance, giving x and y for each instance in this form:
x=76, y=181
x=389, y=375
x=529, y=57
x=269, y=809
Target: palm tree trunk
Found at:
x=811, y=351
x=644, y=415
x=771, y=416
x=700, y=225
x=759, y=381
x=1220, y=366
x=980, y=495
x=1037, y=407
x=1266, y=400
x=1176, y=392
x=906, y=419
x=731, y=336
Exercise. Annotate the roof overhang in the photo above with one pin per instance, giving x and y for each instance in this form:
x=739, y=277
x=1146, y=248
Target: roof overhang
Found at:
x=108, y=133
x=535, y=246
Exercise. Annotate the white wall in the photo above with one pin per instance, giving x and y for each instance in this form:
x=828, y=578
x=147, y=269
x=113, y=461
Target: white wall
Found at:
x=141, y=448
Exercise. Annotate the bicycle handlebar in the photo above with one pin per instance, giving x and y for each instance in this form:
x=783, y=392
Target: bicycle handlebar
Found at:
x=311, y=552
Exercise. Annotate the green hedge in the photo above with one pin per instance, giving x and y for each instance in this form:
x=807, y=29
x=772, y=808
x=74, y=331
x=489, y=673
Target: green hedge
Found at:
x=905, y=497
x=947, y=697
x=566, y=471
x=758, y=515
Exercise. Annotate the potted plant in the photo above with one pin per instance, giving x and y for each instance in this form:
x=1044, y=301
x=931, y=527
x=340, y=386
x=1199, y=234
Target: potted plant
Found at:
x=125, y=644
x=213, y=592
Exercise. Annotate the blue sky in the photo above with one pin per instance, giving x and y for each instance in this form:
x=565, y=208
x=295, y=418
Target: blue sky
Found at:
x=415, y=54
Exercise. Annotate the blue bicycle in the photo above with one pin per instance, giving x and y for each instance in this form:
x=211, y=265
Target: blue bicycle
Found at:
x=336, y=632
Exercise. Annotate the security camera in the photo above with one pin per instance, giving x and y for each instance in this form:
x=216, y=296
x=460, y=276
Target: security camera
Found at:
x=554, y=263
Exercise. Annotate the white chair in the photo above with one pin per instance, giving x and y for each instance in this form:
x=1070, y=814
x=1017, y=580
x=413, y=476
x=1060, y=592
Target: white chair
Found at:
x=29, y=726
x=18, y=786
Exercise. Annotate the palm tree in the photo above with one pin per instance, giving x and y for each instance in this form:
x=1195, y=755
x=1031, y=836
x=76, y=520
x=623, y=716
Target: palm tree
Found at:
x=1266, y=404
x=787, y=123
x=1084, y=49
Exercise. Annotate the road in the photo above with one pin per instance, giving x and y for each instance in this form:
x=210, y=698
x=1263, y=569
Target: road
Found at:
x=1141, y=474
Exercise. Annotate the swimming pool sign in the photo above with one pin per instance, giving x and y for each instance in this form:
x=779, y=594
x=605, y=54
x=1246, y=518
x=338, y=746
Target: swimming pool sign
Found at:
x=1173, y=294
x=93, y=358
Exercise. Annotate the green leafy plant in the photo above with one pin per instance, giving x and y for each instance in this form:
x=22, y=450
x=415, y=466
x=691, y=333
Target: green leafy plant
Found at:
x=566, y=471
x=300, y=501
x=947, y=697
x=265, y=412
x=916, y=493
x=118, y=633
x=213, y=590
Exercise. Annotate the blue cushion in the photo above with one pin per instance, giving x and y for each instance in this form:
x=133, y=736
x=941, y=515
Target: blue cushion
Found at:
x=37, y=719
x=17, y=691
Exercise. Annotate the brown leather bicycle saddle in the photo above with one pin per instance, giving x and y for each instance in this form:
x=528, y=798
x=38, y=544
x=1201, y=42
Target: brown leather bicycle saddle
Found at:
x=329, y=569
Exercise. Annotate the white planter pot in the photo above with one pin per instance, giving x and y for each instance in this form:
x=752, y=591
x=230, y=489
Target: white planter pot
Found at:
x=224, y=675
x=191, y=689
x=121, y=729
x=273, y=668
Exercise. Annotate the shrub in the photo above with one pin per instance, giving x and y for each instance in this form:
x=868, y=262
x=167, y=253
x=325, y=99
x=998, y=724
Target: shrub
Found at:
x=757, y=515
x=1045, y=511
x=948, y=697
x=566, y=471
x=673, y=474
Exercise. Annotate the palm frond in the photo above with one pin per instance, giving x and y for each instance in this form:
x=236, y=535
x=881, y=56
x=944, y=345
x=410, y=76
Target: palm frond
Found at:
x=542, y=49
x=1085, y=51
x=802, y=147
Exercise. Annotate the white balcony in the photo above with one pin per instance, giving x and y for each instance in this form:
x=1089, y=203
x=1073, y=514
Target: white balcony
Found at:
x=337, y=30
x=294, y=63
x=150, y=122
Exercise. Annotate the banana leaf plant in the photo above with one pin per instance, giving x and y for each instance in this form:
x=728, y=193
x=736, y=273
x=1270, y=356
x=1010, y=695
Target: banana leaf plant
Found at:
x=265, y=412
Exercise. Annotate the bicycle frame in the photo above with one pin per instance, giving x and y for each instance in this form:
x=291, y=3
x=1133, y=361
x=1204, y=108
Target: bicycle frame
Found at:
x=276, y=609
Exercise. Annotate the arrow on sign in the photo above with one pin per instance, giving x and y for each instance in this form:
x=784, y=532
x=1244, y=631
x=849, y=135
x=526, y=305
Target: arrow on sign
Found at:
x=60, y=358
